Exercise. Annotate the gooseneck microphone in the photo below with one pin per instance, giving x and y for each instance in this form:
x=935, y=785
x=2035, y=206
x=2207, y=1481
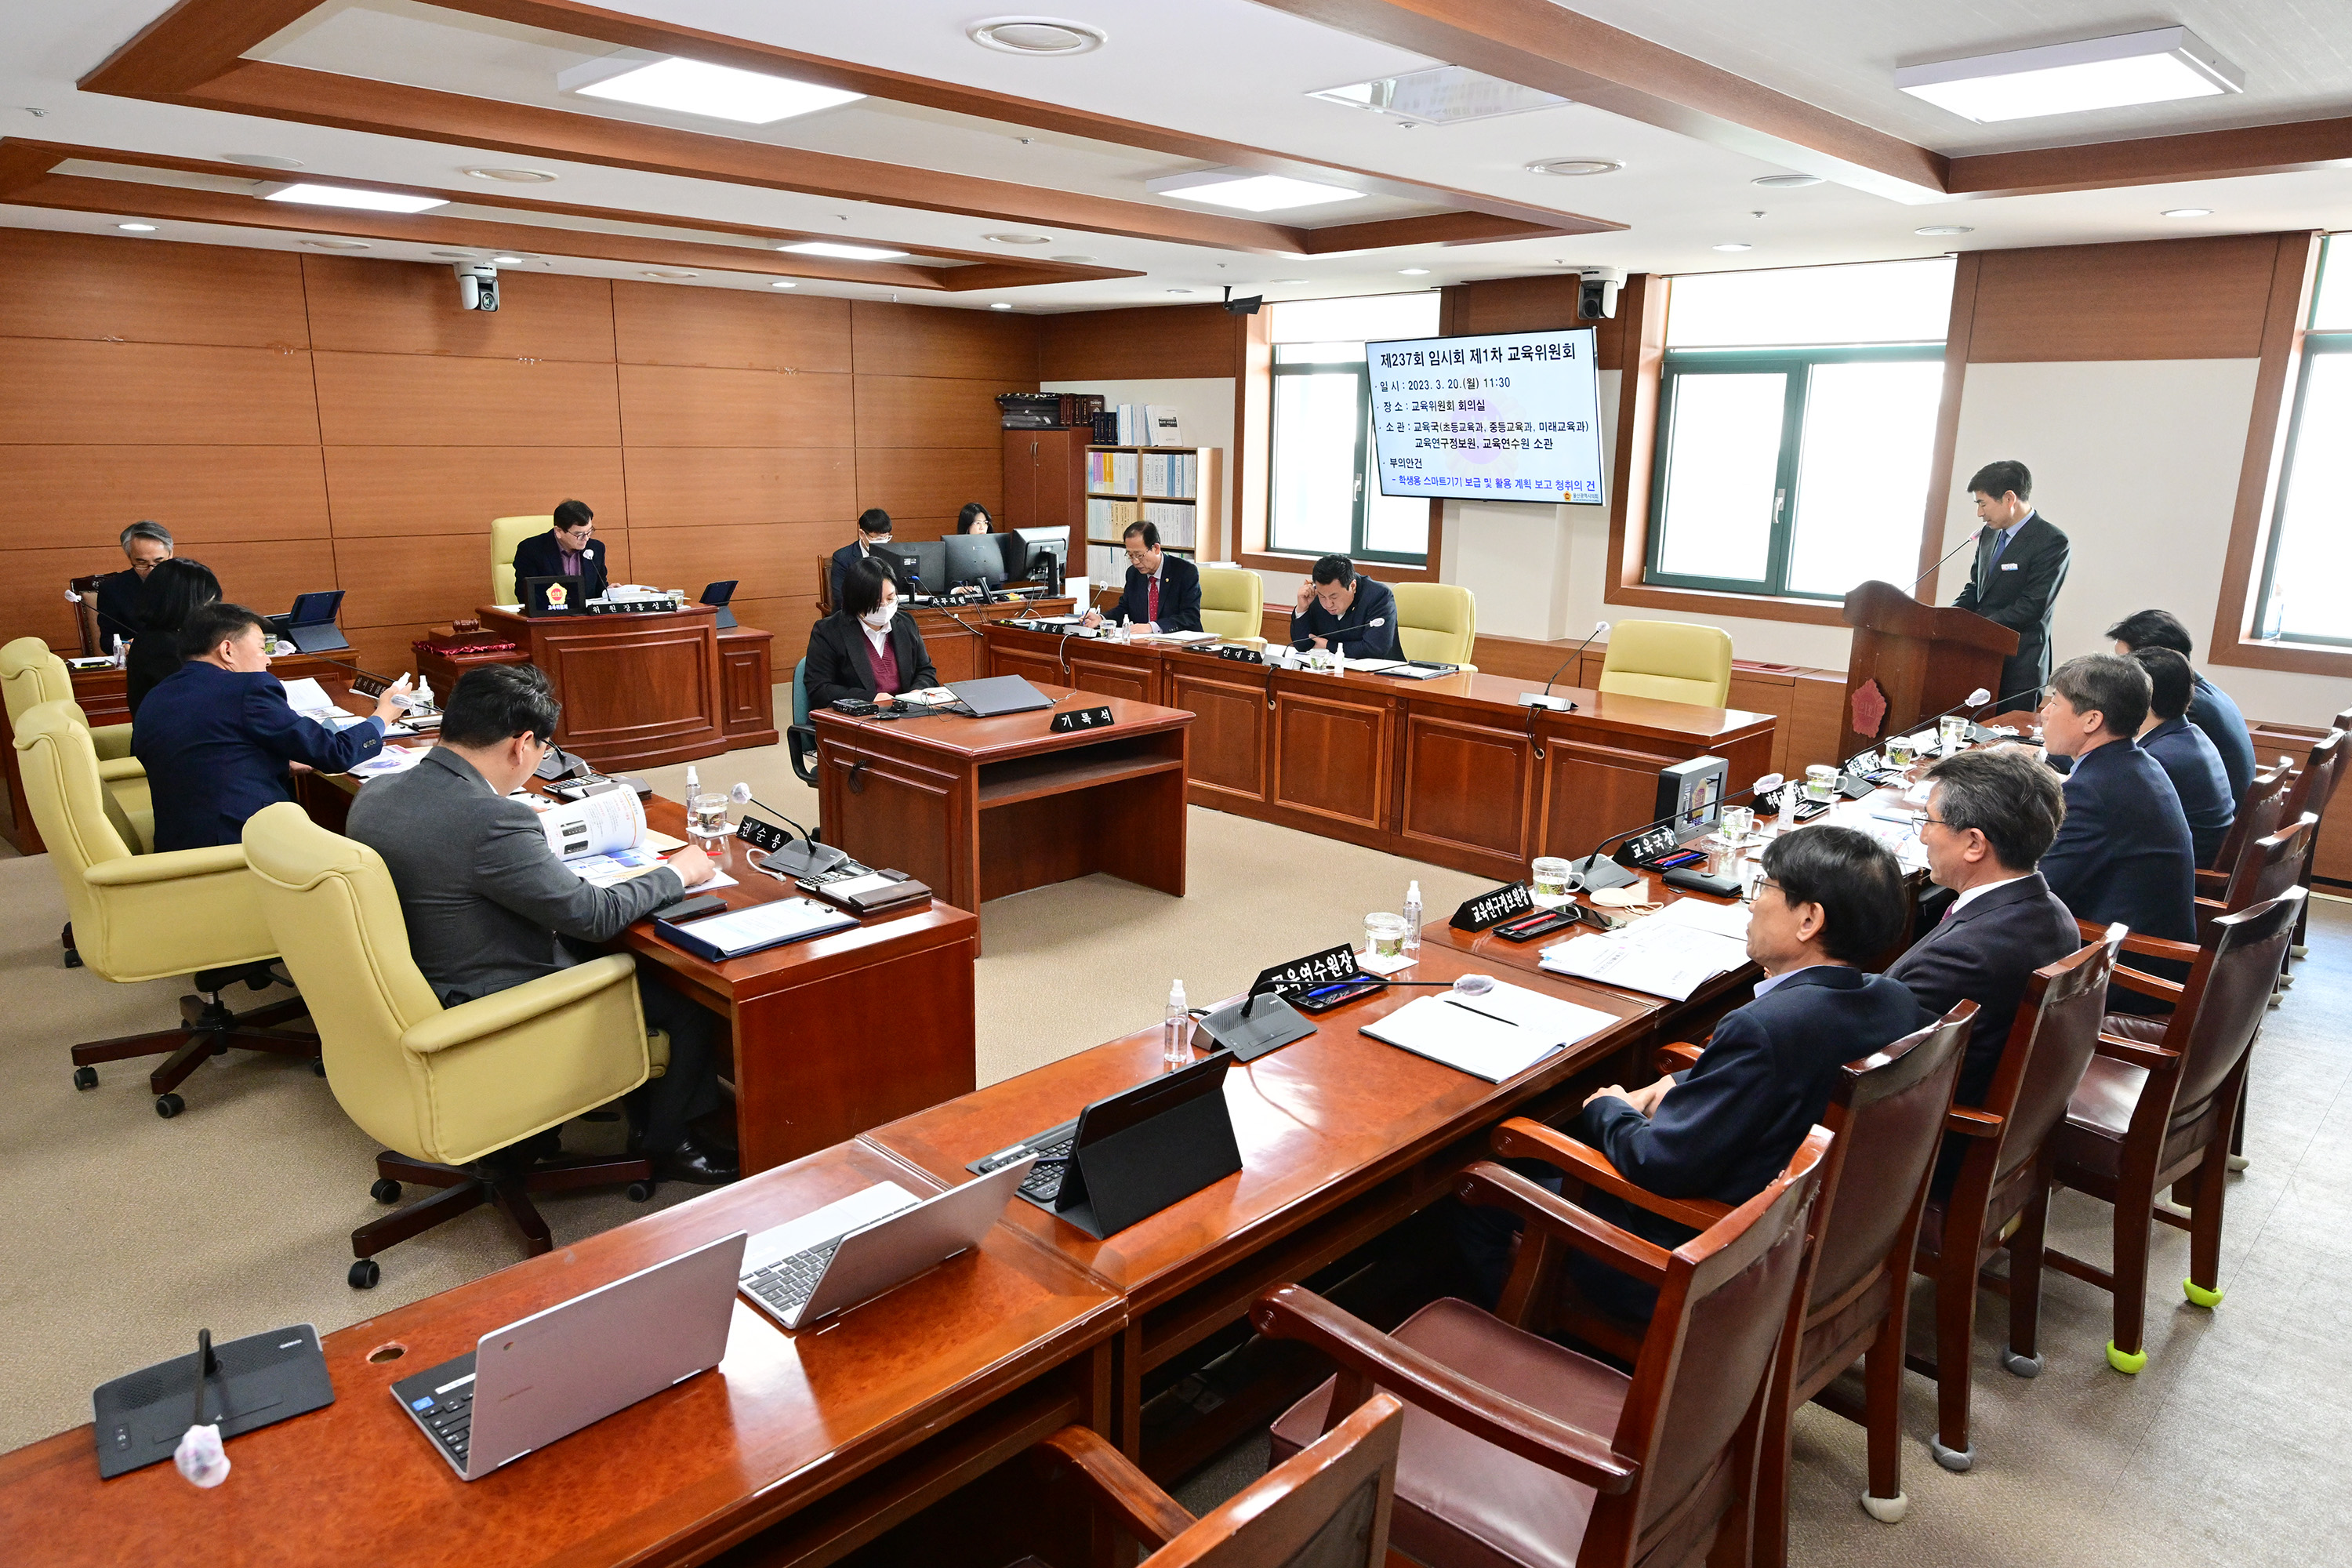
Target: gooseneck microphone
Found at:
x=1332, y=638
x=801, y=857
x=1976, y=538
x=1597, y=870
x=1974, y=700
x=1544, y=698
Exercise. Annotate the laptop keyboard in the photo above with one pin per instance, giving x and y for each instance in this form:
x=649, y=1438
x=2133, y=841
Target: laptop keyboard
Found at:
x=450, y=1419
x=788, y=1283
x=1043, y=1184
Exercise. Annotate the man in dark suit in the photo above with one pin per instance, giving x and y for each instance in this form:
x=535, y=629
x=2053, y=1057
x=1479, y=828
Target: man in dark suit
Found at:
x=488, y=906
x=873, y=528
x=2124, y=852
x=1831, y=899
x=1163, y=591
x=217, y=735
x=2185, y=753
x=1336, y=598
x=570, y=548
x=2020, y=565
x=145, y=544
x=2209, y=708
x=866, y=649
x=1991, y=815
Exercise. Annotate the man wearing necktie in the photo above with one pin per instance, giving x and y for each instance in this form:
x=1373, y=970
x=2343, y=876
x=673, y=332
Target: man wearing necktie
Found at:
x=1163, y=591
x=2020, y=565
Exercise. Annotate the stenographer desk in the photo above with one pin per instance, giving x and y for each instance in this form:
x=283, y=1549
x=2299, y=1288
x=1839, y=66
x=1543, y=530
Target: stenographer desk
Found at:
x=803, y=1446
x=1453, y=771
x=978, y=808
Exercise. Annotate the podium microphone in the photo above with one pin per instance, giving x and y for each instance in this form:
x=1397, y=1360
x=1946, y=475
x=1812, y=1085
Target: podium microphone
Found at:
x=1544, y=698
x=1597, y=870
x=1976, y=538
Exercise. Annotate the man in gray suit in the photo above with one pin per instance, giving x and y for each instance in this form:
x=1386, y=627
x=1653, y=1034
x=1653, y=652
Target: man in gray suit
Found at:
x=489, y=906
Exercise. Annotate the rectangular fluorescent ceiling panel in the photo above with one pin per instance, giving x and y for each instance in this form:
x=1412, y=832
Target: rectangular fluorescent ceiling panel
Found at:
x=1248, y=192
x=344, y=196
x=691, y=87
x=844, y=252
x=2156, y=67
x=1443, y=95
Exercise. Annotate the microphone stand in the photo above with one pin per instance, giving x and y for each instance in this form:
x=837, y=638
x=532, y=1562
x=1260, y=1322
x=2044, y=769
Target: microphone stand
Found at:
x=1976, y=538
x=1544, y=698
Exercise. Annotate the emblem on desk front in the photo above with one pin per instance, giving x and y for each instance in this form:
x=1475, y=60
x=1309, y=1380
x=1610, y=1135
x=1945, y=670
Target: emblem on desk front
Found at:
x=557, y=596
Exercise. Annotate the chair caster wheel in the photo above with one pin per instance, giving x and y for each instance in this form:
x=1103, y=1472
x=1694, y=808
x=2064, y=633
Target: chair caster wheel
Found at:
x=319, y=1067
x=85, y=1078
x=2125, y=1361
x=641, y=1191
x=386, y=1191
x=1886, y=1510
x=167, y=1105
x=2020, y=1365
x=1956, y=1460
x=363, y=1275
x=2238, y=1162
x=2201, y=1297
x=73, y=959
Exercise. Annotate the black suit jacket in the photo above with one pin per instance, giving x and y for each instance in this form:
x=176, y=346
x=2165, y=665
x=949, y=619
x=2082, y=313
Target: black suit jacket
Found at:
x=541, y=556
x=841, y=665
x=845, y=557
x=215, y=743
x=118, y=609
x=2193, y=764
x=1180, y=596
x=2211, y=711
x=2019, y=592
x=1983, y=951
x=1374, y=601
x=2124, y=852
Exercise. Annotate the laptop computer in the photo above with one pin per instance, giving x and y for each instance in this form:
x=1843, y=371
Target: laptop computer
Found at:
x=546, y=1376
x=310, y=624
x=850, y=1251
x=999, y=694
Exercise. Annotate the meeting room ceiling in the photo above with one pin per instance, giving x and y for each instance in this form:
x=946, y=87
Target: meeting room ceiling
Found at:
x=1023, y=180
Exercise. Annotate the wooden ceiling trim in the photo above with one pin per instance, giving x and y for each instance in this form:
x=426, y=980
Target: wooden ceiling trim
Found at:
x=1440, y=228
x=2157, y=160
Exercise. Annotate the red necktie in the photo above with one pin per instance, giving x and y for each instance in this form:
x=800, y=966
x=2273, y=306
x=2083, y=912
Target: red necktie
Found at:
x=1153, y=615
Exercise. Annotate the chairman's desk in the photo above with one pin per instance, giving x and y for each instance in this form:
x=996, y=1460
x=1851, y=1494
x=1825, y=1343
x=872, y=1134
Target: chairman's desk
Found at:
x=1446, y=771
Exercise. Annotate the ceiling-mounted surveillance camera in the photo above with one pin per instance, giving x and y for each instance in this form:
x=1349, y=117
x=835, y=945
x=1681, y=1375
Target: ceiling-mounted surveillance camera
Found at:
x=1246, y=306
x=1596, y=301
x=477, y=286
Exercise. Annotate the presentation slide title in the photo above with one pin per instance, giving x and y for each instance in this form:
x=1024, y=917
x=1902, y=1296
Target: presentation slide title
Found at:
x=1507, y=416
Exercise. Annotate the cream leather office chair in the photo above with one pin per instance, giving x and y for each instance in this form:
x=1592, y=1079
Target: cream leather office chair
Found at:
x=1437, y=623
x=30, y=674
x=445, y=1089
x=1673, y=661
x=506, y=532
x=1233, y=605
x=148, y=917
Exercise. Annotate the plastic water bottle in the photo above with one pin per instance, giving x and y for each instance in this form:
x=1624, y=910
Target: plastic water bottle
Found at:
x=1788, y=791
x=1412, y=919
x=693, y=786
x=1175, y=1031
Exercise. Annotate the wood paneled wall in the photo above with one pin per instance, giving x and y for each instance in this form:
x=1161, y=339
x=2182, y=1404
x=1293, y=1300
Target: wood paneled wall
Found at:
x=307, y=422
x=2151, y=299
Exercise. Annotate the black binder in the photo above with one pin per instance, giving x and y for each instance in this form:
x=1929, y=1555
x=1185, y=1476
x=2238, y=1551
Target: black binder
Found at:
x=1139, y=1151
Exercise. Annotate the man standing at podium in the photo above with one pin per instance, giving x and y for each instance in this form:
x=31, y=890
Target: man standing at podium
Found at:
x=2020, y=565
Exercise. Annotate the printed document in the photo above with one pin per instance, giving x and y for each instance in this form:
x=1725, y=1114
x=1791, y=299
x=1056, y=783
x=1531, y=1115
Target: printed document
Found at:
x=1493, y=1037
x=1665, y=954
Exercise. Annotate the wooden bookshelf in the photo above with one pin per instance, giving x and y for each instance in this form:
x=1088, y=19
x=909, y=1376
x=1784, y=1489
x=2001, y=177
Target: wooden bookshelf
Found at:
x=1114, y=499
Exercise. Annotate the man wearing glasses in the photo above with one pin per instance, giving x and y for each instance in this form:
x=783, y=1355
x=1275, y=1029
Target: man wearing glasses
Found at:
x=1163, y=591
x=570, y=548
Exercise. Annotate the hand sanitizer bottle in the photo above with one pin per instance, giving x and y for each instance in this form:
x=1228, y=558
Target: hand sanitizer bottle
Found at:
x=1175, y=1031
x=1413, y=920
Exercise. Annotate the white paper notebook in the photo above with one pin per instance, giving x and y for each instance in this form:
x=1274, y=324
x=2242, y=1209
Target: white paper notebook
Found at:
x=1666, y=954
x=1493, y=1037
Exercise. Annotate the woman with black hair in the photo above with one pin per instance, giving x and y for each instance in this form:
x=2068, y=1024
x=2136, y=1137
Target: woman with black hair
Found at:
x=170, y=592
x=974, y=519
x=866, y=649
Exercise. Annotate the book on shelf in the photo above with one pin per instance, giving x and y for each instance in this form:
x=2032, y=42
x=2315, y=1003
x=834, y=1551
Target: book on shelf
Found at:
x=1176, y=521
x=1161, y=428
x=1108, y=520
x=1111, y=473
x=1171, y=476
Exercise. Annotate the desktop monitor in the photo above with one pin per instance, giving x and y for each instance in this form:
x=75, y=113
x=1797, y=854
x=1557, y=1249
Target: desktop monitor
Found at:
x=1015, y=551
x=1053, y=545
x=973, y=558
x=899, y=560
x=310, y=624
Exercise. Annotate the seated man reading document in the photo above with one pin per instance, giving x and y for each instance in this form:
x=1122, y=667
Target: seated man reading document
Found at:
x=2185, y=753
x=570, y=548
x=1339, y=609
x=1162, y=591
x=489, y=906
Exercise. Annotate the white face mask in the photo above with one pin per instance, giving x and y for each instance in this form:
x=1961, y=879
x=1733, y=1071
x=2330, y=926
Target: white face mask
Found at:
x=880, y=619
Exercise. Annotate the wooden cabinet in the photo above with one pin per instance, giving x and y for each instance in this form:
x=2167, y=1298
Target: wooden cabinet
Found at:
x=1593, y=788
x=1229, y=706
x=1332, y=747
x=1046, y=484
x=747, y=689
x=1467, y=787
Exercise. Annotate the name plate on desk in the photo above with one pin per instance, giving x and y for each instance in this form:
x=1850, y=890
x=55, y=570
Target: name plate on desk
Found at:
x=1240, y=654
x=1488, y=909
x=760, y=835
x=1332, y=966
x=1080, y=719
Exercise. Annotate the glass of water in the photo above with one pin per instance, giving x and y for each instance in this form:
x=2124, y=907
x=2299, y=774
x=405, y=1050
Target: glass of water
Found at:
x=1550, y=883
x=1384, y=935
x=706, y=818
x=1953, y=733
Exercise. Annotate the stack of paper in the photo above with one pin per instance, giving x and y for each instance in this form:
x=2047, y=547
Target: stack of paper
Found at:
x=1496, y=1035
x=1671, y=953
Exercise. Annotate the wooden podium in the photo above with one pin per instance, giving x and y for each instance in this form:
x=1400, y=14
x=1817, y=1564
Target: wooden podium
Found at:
x=1924, y=659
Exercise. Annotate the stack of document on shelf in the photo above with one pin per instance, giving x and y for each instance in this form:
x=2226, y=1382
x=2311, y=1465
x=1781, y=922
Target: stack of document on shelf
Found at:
x=1176, y=520
x=1671, y=953
x=1496, y=1035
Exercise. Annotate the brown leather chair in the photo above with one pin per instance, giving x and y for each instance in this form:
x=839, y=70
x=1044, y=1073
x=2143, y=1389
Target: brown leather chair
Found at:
x=1328, y=1507
x=2269, y=866
x=1518, y=1451
x=2314, y=786
x=2001, y=1197
x=2155, y=1106
x=2260, y=809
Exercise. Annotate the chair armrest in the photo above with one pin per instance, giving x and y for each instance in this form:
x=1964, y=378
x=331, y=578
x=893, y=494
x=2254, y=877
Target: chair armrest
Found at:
x=112, y=744
x=1521, y=1139
x=170, y=865
x=1972, y=1124
x=2211, y=882
x=1489, y=1185
x=470, y=1021
x=1150, y=1515
x=2139, y=1054
x=2147, y=985
x=1680, y=1057
x=2146, y=946
x=1293, y=1312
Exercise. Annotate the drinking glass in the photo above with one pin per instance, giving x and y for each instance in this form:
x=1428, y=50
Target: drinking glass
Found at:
x=1738, y=824
x=706, y=818
x=1384, y=935
x=1820, y=783
x=1953, y=731
x=1552, y=880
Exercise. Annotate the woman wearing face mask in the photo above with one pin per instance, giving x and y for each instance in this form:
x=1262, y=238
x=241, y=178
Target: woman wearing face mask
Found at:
x=866, y=649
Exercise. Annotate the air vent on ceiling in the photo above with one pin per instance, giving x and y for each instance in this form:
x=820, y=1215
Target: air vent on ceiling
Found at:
x=1036, y=36
x=1443, y=95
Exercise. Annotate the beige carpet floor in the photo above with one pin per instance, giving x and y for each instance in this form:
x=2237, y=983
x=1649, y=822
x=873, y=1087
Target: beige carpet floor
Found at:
x=121, y=1234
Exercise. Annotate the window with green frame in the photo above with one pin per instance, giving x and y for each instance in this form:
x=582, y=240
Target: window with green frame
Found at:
x=2309, y=559
x=1797, y=427
x=1325, y=497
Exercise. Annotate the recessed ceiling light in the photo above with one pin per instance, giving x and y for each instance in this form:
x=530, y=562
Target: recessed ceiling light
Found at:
x=844, y=252
x=1280, y=282
x=262, y=159
x=1036, y=36
x=1000, y=307
x=1180, y=290
x=1936, y=228
x=1575, y=167
x=671, y=274
x=337, y=244
x=784, y=283
x=1413, y=271
x=136, y=227
x=1020, y=238
x=1441, y=95
x=509, y=260
x=1785, y=181
x=2187, y=212
x=2155, y=66
x=1070, y=258
x=695, y=87
x=311, y=196
x=513, y=176
x=1249, y=192
x=1735, y=246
